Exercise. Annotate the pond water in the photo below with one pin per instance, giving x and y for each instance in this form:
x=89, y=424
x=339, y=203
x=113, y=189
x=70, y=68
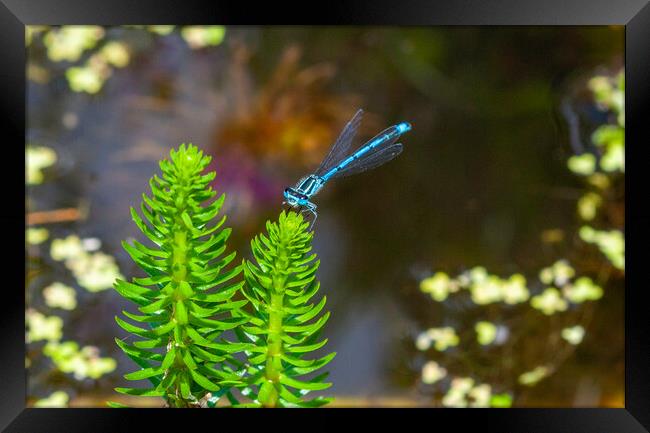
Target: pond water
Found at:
x=482, y=177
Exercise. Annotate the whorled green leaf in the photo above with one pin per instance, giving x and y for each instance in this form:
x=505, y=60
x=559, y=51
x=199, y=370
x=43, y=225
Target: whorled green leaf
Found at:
x=187, y=296
x=282, y=324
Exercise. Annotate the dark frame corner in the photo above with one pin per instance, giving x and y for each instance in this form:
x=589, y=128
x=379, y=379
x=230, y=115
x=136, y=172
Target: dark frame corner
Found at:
x=634, y=14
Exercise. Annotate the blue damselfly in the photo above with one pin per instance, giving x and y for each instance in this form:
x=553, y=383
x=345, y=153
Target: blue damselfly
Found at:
x=375, y=152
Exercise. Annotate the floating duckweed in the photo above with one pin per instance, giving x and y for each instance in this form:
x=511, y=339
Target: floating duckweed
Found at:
x=35, y=236
x=559, y=273
x=439, y=286
x=614, y=158
x=69, y=42
x=423, y=342
x=573, y=335
x=41, y=327
x=480, y=395
x=432, y=373
x=609, y=92
x=30, y=31
x=158, y=30
x=486, y=332
x=486, y=290
x=116, y=54
x=442, y=339
x=563, y=272
x=203, y=36
x=607, y=135
x=611, y=138
x=68, y=248
x=56, y=399
x=462, y=384
x=84, y=363
x=532, y=377
x=87, y=79
x=549, y=302
x=454, y=399
x=478, y=274
x=464, y=280
x=464, y=392
x=602, y=88
x=546, y=275
x=58, y=295
x=456, y=396
x=599, y=180
x=38, y=158
x=161, y=30
x=584, y=164
x=588, y=205
x=93, y=271
x=90, y=77
x=611, y=244
x=514, y=290
x=562, y=287
x=501, y=400
x=583, y=290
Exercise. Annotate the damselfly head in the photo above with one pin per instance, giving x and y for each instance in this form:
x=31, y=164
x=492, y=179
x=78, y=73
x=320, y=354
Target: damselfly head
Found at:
x=291, y=196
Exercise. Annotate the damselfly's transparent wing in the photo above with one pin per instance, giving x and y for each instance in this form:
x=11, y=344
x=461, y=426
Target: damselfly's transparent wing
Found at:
x=380, y=155
x=341, y=145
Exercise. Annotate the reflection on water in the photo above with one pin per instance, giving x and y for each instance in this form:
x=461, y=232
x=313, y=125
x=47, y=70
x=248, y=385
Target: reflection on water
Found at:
x=483, y=173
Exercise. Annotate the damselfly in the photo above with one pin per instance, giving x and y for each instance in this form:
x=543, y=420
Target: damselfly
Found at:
x=375, y=152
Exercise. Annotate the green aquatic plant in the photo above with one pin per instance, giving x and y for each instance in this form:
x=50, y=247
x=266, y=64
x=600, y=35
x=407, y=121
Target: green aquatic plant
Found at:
x=187, y=300
x=283, y=326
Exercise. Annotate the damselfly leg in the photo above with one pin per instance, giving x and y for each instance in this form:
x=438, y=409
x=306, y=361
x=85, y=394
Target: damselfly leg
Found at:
x=313, y=212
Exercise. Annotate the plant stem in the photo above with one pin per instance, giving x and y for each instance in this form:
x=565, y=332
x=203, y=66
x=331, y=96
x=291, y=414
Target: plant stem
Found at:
x=276, y=315
x=273, y=360
x=179, y=274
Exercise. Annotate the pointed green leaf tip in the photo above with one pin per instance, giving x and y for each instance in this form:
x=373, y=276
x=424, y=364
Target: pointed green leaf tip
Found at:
x=283, y=323
x=187, y=291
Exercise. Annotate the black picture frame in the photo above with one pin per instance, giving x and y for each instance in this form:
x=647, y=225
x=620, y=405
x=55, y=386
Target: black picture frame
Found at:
x=633, y=14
